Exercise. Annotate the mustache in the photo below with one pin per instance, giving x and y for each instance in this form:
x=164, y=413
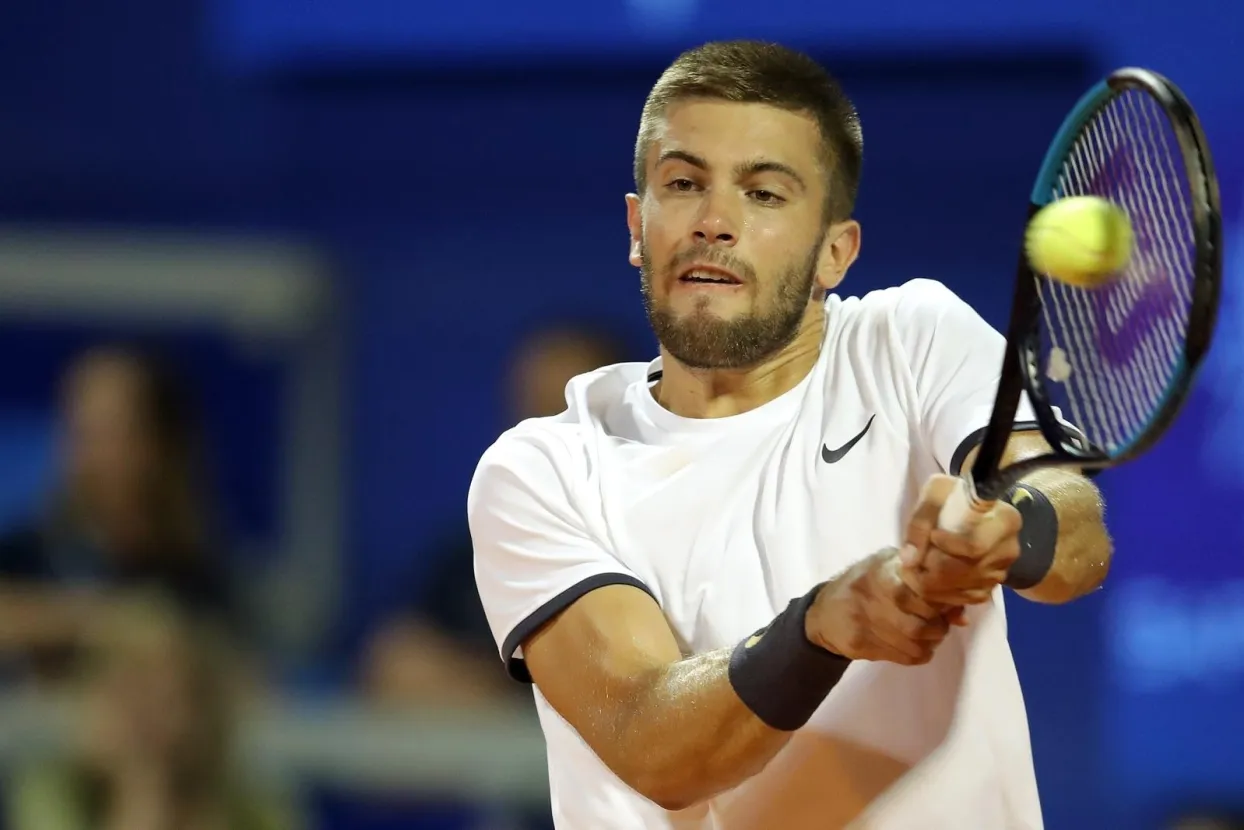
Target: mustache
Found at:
x=710, y=255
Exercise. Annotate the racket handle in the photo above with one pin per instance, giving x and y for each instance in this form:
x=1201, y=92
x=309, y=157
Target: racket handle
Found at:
x=962, y=510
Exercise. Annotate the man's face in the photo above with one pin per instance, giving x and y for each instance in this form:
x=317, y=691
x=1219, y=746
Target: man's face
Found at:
x=730, y=232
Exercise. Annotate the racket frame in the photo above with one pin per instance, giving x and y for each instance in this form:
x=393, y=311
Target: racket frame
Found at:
x=1021, y=371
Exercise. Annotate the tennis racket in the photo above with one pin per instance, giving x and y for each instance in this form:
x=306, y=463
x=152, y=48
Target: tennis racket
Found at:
x=1118, y=360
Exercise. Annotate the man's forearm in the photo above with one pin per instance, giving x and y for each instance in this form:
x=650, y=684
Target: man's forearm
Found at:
x=1083, y=550
x=680, y=730
x=687, y=736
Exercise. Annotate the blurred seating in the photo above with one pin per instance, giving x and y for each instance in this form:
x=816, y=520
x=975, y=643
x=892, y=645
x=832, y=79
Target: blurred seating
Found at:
x=154, y=748
x=128, y=509
x=439, y=649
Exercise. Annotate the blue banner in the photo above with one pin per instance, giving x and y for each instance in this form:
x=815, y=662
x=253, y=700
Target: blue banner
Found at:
x=267, y=33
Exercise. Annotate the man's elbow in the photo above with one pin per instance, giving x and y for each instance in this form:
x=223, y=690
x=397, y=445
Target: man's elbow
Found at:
x=681, y=785
x=670, y=787
x=674, y=802
x=1085, y=567
x=666, y=789
x=1099, y=568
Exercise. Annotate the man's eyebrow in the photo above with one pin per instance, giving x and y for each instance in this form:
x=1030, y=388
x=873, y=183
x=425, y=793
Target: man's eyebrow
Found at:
x=751, y=168
x=683, y=155
x=742, y=170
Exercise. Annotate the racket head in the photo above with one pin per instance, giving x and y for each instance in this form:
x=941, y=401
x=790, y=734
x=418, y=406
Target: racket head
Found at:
x=1116, y=360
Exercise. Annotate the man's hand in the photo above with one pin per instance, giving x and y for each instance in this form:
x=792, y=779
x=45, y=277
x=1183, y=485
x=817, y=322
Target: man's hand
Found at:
x=869, y=613
x=952, y=569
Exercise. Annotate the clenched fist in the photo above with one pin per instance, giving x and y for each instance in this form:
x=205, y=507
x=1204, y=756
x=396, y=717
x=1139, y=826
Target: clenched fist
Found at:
x=957, y=569
x=869, y=613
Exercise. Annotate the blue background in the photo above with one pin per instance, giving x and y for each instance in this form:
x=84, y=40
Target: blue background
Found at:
x=464, y=165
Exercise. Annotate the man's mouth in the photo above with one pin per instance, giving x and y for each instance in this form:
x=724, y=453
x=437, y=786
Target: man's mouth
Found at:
x=708, y=275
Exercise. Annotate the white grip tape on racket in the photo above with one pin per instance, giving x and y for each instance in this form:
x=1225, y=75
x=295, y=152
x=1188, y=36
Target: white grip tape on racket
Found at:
x=962, y=511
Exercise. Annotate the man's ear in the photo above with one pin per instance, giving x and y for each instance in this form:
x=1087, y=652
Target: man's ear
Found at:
x=838, y=253
x=634, y=221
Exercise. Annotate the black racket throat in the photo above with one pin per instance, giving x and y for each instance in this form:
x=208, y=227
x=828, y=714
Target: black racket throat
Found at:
x=1021, y=372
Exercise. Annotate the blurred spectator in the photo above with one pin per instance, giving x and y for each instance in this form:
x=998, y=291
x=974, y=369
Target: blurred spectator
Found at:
x=156, y=744
x=441, y=650
x=129, y=510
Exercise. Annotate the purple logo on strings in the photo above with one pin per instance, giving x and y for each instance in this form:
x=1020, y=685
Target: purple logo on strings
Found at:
x=1131, y=309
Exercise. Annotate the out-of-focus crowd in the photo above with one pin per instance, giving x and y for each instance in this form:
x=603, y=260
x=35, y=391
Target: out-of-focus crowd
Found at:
x=116, y=595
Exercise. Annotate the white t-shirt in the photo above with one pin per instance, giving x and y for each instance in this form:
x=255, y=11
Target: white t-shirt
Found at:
x=723, y=521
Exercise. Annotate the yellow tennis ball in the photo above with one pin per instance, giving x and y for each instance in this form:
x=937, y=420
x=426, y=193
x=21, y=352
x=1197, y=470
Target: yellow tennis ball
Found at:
x=1080, y=240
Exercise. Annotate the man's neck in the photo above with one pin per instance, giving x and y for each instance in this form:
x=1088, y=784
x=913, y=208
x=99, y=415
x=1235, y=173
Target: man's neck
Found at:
x=720, y=393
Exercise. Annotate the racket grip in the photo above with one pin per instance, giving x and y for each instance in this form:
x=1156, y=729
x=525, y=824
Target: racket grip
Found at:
x=962, y=511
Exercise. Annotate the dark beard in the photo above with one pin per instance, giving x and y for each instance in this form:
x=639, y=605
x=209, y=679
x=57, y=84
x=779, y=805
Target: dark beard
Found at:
x=701, y=340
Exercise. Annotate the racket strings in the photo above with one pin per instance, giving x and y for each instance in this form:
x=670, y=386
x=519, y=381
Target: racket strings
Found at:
x=1146, y=372
x=1111, y=396
x=1120, y=346
x=1102, y=401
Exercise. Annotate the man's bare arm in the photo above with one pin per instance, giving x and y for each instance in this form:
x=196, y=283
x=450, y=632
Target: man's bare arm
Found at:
x=1083, y=551
x=671, y=728
x=680, y=730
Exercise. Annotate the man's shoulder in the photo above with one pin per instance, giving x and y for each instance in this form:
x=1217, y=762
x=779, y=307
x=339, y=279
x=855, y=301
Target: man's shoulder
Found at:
x=885, y=305
x=533, y=439
x=556, y=445
x=904, y=319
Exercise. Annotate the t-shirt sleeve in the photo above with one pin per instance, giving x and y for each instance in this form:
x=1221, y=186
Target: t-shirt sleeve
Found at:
x=534, y=556
x=956, y=361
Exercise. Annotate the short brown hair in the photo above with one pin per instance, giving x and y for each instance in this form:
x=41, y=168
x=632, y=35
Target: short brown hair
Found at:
x=752, y=72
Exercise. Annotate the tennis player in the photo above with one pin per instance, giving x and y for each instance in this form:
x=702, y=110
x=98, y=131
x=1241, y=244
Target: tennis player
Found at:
x=721, y=569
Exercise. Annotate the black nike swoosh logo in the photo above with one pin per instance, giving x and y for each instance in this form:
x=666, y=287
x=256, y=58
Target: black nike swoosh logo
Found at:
x=834, y=456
